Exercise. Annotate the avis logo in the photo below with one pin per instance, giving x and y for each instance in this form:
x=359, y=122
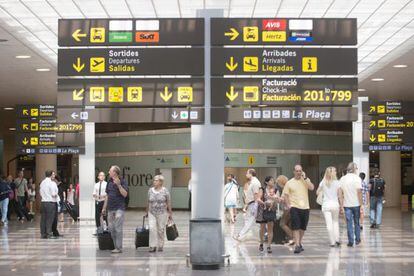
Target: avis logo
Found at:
x=274, y=25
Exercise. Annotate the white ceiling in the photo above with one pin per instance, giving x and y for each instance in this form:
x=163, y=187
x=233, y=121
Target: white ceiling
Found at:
x=385, y=32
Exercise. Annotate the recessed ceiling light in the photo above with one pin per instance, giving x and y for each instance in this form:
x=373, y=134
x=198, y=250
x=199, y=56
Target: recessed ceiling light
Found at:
x=9, y=108
x=400, y=66
x=377, y=79
x=262, y=105
x=12, y=128
x=23, y=56
x=361, y=89
x=305, y=123
x=43, y=69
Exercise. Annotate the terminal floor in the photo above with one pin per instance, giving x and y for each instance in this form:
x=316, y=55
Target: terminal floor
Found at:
x=388, y=251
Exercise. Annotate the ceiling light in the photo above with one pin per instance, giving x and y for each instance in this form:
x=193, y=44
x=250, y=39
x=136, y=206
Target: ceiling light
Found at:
x=305, y=123
x=43, y=69
x=9, y=108
x=400, y=66
x=12, y=128
x=377, y=79
x=23, y=56
x=361, y=90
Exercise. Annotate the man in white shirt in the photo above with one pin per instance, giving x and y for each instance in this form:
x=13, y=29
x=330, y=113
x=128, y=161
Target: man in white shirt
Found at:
x=99, y=194
x=252, y=196
x=350, y=199
x=49, y=195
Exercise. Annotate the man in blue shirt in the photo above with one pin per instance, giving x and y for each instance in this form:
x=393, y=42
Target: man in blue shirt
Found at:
x=117, y=191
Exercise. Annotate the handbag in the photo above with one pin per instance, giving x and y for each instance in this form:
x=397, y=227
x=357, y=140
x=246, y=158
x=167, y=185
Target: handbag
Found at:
x=171, y=230
x=269, y=215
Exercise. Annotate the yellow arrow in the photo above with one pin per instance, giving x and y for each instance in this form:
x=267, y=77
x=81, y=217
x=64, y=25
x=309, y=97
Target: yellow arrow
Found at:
x=166, y=96
x=26, y=112
x=231, y=66
x=372, y=123
x=372, y=109
x=25, y=127
x=25, y=141
x=78, y=66
x=372, y=138
x=232, y=95
x=78, y=95
x=77, y=35
x=233, y=34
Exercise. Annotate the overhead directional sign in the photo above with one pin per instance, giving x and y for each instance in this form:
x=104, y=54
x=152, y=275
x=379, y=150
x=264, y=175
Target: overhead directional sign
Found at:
x=50, y=139
x=47, y=125
x=284, y=114
x=284, y=61
x=388, y=108
x=398, y=136
x=387, y=147
x=51, y=150
x=131, y=92
x=390, y=122
x=291, y=31
x=36, y=111
x=131, y=61
x=284, y=91
x=131, y=32
x=132, y=115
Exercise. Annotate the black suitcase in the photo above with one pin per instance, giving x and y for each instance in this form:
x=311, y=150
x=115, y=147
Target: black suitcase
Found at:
x=105, y=241
x=142, y=235
x=72, y=211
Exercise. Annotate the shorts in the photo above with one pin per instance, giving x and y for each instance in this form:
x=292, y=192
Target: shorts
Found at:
x=299, y=218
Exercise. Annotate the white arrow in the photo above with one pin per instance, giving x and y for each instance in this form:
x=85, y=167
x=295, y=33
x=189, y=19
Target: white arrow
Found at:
x=175, y=115
x=74, y=115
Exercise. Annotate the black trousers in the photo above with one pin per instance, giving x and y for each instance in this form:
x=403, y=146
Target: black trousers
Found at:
x=14, y=208
x=48, y=213
x=55, y=221
x=98, y=210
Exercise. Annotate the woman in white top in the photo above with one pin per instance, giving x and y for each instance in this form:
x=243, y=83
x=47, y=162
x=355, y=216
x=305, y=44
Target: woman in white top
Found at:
x=70, y=195
x=231, y=196
x=330, y=204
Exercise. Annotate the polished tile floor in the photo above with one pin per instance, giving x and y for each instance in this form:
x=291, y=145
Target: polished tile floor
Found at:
x=389, y=251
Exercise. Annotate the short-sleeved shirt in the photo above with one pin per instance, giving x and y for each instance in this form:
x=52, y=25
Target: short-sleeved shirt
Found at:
x=115, y=199
x=350, y=184
x=365, y=190
x=21, y=186
x=254, y=187
x=330, y=193
x=158, y=200
x=297, y=190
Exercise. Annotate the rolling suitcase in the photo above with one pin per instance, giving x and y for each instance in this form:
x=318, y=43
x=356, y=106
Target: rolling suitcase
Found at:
x=142, y=235
x=105, y=241
x=72, y=211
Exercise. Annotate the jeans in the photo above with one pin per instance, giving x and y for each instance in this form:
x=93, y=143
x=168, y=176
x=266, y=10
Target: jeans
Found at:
x=352, y=222
x=157, y=225
x=4, y=205
x=331, y=215
x=376, y=210
x=249, y=220
x=116, y=223
x=48, y=212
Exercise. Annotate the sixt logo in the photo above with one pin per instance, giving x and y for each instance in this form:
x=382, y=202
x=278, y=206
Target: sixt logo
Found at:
x=274, y=25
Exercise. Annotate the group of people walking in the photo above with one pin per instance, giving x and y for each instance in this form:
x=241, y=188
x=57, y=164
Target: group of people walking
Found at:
x=287, y=201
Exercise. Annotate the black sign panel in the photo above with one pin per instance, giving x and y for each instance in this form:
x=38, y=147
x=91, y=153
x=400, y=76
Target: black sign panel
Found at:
x=387, y=148
x=284, y=61
x=388, y=108
x=47, y=125
x=132, y=115
x=36, y=111
x=131, y=92
x=290, y=31
x=50, y=139
x=131, y=61
x=389, y=122
x=398, y=136
x=52, y=150
x=284, y=114
x=131, y=32
x=284, y=91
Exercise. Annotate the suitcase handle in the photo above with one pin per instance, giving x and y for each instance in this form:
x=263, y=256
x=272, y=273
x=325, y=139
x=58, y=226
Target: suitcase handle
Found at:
x=143, y=221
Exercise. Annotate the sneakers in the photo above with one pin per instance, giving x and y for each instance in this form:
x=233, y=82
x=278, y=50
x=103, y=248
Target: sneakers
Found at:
x=116, y=251
x=373, y=226
x=338, y=244
x=269, y=250
x=301, y=248
x=152, y=249
x=261, y=247
x=350, y=244
x=297, y=250
x=357, y=242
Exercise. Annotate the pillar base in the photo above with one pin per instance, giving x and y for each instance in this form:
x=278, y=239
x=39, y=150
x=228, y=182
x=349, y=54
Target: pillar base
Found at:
x=206, y=244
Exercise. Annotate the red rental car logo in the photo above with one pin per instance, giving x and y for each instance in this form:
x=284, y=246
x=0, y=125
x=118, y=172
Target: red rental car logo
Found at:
x=274, y=25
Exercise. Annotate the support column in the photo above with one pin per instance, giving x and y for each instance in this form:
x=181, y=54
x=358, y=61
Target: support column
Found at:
x=390, y=167
x=44, y=162
x=87, y=175
x=360, y=157
x=207, y=175
x=9, y=152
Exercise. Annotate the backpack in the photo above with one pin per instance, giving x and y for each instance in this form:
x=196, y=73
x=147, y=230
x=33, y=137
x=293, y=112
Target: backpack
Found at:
x=378, y=187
